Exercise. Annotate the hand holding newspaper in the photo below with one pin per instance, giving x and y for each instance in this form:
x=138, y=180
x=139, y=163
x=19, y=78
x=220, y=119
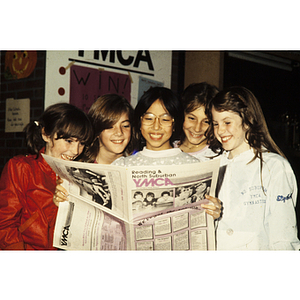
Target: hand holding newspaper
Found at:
x=135, y=208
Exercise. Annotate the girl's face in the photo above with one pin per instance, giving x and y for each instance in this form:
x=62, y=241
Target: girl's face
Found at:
x=230, y=132
x=114, y=140
x=67, y=149
x=194, y=126
x=157, y=136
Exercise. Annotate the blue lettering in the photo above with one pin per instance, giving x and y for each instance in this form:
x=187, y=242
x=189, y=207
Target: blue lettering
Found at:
x=282, y=198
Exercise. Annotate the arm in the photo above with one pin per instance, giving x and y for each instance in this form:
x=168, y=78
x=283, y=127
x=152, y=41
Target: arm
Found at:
x=11, y=196
x=280, y=214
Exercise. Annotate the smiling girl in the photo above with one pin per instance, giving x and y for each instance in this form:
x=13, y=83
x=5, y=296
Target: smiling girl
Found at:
x=111, y=116
x=27, y=185
x=158, y=119
x=195, y=100
x=259, y=188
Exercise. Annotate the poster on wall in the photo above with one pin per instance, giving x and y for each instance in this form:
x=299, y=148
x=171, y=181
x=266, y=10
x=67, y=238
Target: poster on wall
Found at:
x=19, y=64
x=80, y=77
x=17, y=114
x=88, y=84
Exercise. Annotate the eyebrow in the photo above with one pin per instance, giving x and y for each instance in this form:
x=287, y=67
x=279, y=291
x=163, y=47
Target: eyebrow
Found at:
x=149, y=112
x=225, y=118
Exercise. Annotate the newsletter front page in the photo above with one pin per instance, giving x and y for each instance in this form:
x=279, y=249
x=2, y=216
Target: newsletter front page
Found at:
x=135, y=208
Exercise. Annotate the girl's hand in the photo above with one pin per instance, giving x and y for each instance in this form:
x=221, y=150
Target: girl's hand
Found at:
x=60, y=194
x=214, y=208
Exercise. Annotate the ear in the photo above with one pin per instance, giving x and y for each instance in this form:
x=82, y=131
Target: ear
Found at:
x=246, y=127
x=45, y=137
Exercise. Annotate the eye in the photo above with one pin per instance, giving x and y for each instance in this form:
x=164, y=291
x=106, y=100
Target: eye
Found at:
x=166, y=119
x=149, y=118
x=215, y=124
x=69, y=141
x=206, y=121
x=191, y=118
x=126, y=125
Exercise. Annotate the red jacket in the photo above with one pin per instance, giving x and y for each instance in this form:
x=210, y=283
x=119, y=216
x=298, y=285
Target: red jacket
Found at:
x=27, y=211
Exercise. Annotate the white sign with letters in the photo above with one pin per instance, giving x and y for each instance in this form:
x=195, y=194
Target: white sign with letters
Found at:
x=17, y=114
x=154, y=66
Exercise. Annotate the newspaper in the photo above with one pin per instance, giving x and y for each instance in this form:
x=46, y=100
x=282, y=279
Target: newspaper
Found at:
x=135, y=208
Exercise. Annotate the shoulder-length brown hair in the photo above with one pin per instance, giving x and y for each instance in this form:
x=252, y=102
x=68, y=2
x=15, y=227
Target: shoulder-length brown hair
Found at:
x=104, y=113
x=243, y=102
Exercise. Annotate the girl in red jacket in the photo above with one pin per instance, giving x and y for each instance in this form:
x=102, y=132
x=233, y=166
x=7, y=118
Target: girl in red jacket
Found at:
x=27, y=185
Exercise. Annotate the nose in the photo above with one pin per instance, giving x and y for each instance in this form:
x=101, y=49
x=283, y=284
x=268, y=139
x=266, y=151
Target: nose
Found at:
x=156, y=123
x=118, y=130
x=76, y=148
x=220, y=130
x=198, y=127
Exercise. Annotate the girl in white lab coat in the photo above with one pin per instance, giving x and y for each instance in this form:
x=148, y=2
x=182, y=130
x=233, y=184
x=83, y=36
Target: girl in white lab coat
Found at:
x=259, y=188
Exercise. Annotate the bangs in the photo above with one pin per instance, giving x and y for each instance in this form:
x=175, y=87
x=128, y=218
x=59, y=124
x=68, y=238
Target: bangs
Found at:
x=72, y=130
x=193, y=105
x=113, y=118
x=114, y=115
x=107, y=110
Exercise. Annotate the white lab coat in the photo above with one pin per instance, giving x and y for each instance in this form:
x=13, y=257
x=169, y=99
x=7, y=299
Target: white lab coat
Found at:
x=251, y=219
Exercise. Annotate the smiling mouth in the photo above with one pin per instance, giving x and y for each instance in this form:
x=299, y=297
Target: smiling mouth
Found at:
x=225, y=139
x=67, y=157
x=155, y=136
x=117, y=141
x=196, y=136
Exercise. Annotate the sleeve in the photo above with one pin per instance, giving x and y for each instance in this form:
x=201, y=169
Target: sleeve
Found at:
x=12, y=190
x=282, y=197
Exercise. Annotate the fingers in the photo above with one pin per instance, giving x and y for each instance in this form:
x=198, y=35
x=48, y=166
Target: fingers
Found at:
x=214, y=208
x=55, y=201
x=60, y=195
x=59, y=181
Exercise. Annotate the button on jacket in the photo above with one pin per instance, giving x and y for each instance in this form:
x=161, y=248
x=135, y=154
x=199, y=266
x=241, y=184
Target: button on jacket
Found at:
x=253, y=218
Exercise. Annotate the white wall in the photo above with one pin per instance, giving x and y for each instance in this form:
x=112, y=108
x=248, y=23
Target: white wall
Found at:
x=144, y=66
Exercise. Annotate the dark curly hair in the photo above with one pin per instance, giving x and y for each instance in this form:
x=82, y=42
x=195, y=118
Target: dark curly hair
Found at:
x=243, y=102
